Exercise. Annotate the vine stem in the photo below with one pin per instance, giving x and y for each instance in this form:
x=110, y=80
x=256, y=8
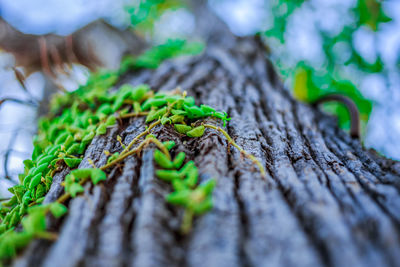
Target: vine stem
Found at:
x=147, y=131
x=47, y=235
x=138, y=149
x=134, y=114
x=241, y=150
x=187, y=221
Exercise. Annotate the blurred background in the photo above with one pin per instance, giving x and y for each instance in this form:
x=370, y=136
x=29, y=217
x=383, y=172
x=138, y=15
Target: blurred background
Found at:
x=350, y=47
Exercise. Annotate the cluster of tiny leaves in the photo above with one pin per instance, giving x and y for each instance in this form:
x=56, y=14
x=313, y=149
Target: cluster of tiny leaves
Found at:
x=61, y=142
x=181, y=112
x=195, y=198
x=75, y=119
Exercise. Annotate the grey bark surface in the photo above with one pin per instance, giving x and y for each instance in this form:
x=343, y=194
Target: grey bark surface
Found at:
x=326, y=201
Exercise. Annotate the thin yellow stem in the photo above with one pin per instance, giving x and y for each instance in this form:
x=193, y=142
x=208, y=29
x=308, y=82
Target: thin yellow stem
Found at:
x=138, y=148
x=134, y=114
x=147, y=131
x=241, y=150
x=160, y=146
x=66, y=196
x=47, y=235
x=187, y=221
x=123, y=156
x=63, y=198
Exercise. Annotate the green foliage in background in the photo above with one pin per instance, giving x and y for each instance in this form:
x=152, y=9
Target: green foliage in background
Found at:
x=152, y=58
x=146, y=12
x=311, y=82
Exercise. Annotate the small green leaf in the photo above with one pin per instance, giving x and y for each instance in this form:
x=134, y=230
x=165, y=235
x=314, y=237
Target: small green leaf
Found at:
x=122, y=95
x=189, y=101
x=165, y=120
x=207, y=109
x=193, y=112
x=11, y=241
x=196, y=132
x=113, y=157
x=177, y=118
x=192, y=177
x=37, y=150
x=179, y=159
x=153, y=102
x=18, y=191
x=104, y=109
x=39, y=169
x=28, y=163
x=172, y=98
x=54, y=162
x=97, y=175
x=169, y=144
x=179, y=185
x=181, y=128
x=72, y=162
x=14, y=218
x=82, y=148
x=168, y=175
x=68, y=141
x=139, y=92
x=102, y=129
x=54, y=149
x=14, y=188
x=110, y=120
x=75, y=189
x=39, y=200
x=88, y=137
x=162, y=160
x=179, y=197
x=187, y=167
x=208, y=186
x=27, y=180
x=35, y=221
x=35, y=181
x=48, y=182
x=155, y=114
x=61, y=138
x=26, y=199
x=136, y=107
x=178, y=112
x=45, y=160
x=203, y=206
x=11, y=202
x=58, y=209
x=223, y=116
x=73, y=149
x=81, y=173
x=40, y=191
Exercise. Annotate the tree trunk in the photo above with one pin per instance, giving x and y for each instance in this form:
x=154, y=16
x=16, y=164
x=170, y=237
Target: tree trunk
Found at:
x=326, y=201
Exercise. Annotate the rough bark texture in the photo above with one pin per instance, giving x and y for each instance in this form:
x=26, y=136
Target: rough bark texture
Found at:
x=326, y=201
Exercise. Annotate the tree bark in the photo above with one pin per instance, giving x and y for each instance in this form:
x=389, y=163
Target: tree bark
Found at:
x=326, y=201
